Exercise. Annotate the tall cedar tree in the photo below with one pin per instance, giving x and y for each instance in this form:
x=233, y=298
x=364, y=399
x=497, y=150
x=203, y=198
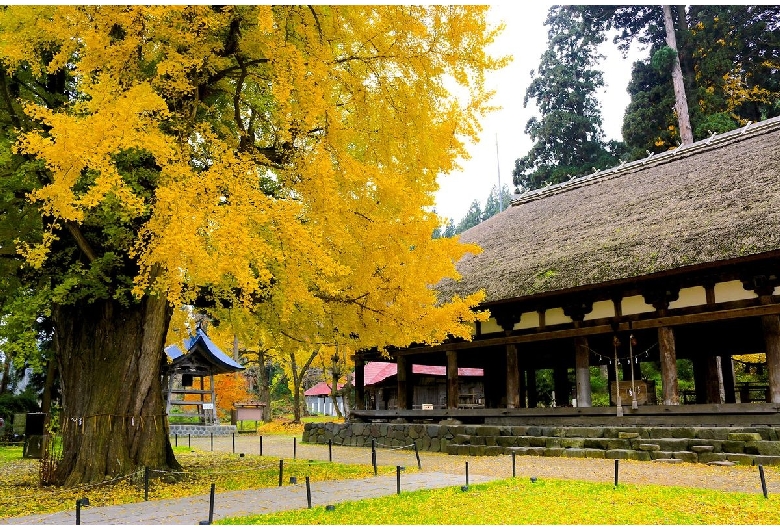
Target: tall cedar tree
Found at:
x=568, y=137
x=729, y=56
x=278, y=159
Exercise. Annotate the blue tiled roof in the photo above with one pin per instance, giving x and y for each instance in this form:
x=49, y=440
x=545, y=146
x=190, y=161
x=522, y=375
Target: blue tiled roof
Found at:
x=202, y=344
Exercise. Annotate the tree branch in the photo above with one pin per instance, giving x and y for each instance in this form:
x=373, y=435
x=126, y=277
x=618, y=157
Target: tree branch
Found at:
x=81, y=241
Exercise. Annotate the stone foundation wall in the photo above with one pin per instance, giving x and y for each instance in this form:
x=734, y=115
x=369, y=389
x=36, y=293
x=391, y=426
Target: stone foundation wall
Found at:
x=724, y=445
x=202, y=430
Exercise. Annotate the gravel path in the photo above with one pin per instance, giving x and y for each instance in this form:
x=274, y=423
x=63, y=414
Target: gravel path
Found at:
x=732, y=478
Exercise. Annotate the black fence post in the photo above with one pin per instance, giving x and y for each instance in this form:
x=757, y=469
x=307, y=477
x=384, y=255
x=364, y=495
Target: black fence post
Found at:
x=295, y=447
x=189, y=441
x=211, y=506
x=617, y=464
x=398, y=479
x=212, y=441
x=281, y=472
x=417, y=454
x=146, y=483
x=514, y=468
x=330, y=450
x=234, y=442
x=176, y=440
x=308, y=492
x=373, y=454
x=763, y=481
x=261, y=445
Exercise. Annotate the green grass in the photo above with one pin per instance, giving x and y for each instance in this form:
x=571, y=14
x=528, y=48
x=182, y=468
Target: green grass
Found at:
x=548, y=501
x=10, y=452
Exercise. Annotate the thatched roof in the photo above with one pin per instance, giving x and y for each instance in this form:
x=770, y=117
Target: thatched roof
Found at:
x=717, y=199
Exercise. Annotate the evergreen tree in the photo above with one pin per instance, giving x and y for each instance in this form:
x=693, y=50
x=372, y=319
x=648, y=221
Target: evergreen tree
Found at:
x=473, y=218
x=729, y=56
x=568, y=137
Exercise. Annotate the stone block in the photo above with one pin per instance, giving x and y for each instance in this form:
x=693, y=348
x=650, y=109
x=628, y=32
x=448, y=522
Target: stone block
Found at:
x=538, y=451
x=706, y=458
x=494, y=450
x=620, y=454
x=733, y=447
x=490, y=440
x=683, y=432
x=766, y=460
x=703, y=448
x=763, y=447
x=741, y=459
x=572, y=443
x=744, y=436
x=453, y=449
x=476, y=450
x=477, y=440
x=585, y=432
x=553, y=451
x=721, y=463
x=519, y=431
x=649, y=447
x=627, y=435
x=686, y=456
x=534, y=431
x=552, y=442
x=432, y=430
x=712, y=433
x=669, y=460
x=488, y=430
x=463, y=450
x=433, y=445
x=583, y=453
x=461, y=439
x=595, y=443
x=443, y=444
x=672, y=444
x=616, y=444
x=506, y=441
x=471, y=430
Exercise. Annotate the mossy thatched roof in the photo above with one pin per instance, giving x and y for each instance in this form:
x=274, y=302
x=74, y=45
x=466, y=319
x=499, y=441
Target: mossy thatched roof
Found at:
x=717, y=199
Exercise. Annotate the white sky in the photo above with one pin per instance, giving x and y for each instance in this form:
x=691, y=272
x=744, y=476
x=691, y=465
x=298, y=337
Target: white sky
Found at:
x=525, y=38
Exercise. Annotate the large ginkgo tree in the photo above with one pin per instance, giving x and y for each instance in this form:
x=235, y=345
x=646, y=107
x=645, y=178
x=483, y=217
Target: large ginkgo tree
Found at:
x=277, y=159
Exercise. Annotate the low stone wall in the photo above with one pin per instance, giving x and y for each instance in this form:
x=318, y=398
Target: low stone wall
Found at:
x=743, y=445
x=428, y=437
x=202, y=430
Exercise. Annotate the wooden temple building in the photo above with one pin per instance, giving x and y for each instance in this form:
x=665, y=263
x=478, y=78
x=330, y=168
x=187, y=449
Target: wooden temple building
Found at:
x=675, y=256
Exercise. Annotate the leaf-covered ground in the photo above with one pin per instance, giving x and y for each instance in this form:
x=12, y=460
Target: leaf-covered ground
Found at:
x=547, y=501
x=19, y=484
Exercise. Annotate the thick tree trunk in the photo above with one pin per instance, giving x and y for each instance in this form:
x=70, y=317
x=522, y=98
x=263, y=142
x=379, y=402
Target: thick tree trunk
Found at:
x=681, y=101
x=113, y=414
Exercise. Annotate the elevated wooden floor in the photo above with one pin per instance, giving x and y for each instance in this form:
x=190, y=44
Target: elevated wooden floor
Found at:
x=723, y=415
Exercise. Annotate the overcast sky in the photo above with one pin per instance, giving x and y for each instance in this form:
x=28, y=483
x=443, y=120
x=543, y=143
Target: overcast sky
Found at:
x=525, y=38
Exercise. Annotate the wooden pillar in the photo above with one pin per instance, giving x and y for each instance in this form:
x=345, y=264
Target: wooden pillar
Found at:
x=771, y=327
x=714, y=383
x=700, y=379
x=668, y=354
x=360, y=380
x=582, y=371
x=404, y=380
x=512, y=377
x=727, y=374
x=561, y=385
x=452, y=379
x=522, y=390
x=533, y=396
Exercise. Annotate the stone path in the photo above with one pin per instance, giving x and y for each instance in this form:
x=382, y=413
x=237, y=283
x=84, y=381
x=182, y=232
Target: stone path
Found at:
x=438, y=470
x=193, y=510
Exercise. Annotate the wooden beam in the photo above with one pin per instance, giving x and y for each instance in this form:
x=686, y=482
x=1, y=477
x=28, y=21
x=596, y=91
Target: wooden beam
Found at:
x=452, y=379
x=360, y=366
x=582, y=371
x=512, y=378
x=668, y=366
x=627, y=323
x=771, y=326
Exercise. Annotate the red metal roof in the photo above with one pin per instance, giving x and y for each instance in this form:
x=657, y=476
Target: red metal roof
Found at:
x=320, y=389
x=379, y=371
